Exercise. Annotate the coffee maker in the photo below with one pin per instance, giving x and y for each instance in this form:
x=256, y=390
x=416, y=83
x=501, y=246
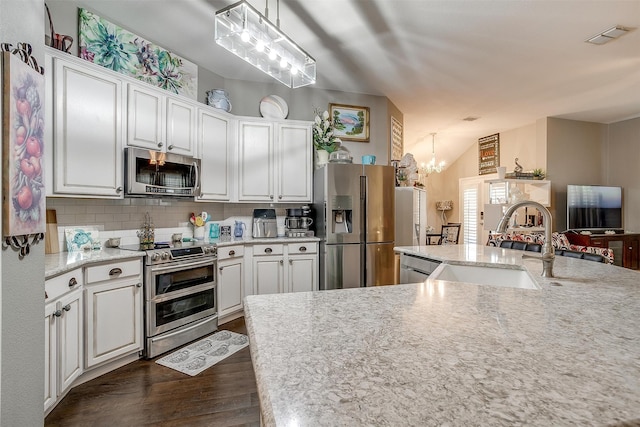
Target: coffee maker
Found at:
x=298, y=221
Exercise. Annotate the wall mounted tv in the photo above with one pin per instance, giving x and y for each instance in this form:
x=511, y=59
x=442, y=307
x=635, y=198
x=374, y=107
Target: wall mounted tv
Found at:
x=594, y=207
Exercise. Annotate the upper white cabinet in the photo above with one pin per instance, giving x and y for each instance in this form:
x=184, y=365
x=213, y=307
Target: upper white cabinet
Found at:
x=216, y=132
x=87, y=130
x=275, y=161
x=256, y=161
x=294, y=152
x=160, y=122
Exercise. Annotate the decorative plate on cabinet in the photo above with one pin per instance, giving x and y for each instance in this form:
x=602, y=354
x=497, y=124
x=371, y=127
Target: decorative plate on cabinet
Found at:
x=274, y=107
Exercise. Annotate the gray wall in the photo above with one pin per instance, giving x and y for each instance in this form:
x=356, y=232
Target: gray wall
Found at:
x=575, y=156
x=22, y=287
x=622, y=169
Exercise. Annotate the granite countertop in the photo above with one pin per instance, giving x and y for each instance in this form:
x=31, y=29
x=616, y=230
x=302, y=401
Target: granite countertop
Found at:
x=56, y=264
x=446, y=353
x=59, y=263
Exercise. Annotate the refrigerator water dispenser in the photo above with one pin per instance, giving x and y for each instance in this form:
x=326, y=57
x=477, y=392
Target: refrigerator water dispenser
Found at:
x=342, y=222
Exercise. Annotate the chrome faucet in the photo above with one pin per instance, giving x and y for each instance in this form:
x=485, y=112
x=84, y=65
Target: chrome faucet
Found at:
x=547, y=249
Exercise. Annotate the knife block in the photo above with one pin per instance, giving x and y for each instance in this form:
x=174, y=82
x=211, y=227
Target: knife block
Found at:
x=51, y=243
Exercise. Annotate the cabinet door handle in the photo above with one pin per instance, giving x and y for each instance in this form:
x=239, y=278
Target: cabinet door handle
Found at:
x=232, y=253
x=281, y=262
x=119, y=190
x=72, y=282
x=630, y=248
x=67, y=307
x=280, y=197
x=57, y=313
x=220, y=268
x=271, y=196
x=115, y=271
x=268, y=250
x=170, y=147
x=303, y=249
x=139, y=285
x=160, y=144
x=291, y=262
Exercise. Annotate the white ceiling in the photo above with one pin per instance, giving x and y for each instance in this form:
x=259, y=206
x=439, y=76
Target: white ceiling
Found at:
x=508, y=62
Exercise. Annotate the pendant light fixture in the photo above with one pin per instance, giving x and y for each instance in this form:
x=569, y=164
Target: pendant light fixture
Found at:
x=248, y=34
x=432, y=166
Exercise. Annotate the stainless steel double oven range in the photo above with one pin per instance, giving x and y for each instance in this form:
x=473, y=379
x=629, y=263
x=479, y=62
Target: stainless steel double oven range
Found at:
x=180, y=294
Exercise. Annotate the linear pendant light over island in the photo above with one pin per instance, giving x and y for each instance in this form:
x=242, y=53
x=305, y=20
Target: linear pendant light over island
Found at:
x=248, y=34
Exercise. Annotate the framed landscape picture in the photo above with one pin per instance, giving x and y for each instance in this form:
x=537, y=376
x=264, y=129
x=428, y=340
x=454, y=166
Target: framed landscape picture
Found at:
x=351, y=123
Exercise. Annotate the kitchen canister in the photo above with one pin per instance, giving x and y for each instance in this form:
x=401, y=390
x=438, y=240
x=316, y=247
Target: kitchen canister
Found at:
x=219, y=98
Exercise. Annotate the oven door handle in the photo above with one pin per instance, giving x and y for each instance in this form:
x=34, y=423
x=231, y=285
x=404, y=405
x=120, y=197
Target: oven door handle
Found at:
x=176, y=267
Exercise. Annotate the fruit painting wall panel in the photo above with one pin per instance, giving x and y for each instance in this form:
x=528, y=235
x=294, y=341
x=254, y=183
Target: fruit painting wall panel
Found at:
x=23, y=148
x=110, y=46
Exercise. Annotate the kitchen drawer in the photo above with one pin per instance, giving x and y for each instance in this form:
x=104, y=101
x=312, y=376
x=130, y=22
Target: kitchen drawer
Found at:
x=226, y=252
x=276, y=249
x=113, y=270
x=302, y=248
x=59, y=285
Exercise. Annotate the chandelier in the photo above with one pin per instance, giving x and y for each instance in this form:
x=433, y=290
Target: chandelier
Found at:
x=248, y=34
x=432, y=166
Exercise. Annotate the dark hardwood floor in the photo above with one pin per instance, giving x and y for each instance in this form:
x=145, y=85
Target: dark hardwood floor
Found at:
x=145, y=393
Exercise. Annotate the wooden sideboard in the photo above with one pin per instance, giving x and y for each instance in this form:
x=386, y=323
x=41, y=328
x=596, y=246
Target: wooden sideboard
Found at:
x=625, y=246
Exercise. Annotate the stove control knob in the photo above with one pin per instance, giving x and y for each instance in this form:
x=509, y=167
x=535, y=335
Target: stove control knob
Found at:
x=165, y=255
x=155, y=256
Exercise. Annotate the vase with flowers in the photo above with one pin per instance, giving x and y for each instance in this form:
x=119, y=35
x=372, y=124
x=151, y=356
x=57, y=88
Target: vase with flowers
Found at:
x=324, y=141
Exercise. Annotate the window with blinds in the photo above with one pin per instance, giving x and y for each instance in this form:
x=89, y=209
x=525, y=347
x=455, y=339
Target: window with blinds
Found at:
x=498, y=193
x=470, y=214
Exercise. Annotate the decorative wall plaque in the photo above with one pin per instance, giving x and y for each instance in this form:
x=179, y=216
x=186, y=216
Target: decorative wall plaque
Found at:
x=488, y=154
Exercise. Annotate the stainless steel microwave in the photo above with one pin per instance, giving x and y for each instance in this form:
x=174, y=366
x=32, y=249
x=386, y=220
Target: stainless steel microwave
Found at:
x=154, y=173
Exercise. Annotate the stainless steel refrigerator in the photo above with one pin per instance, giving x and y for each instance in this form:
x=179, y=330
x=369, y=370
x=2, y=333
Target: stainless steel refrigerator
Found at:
x=355, y=207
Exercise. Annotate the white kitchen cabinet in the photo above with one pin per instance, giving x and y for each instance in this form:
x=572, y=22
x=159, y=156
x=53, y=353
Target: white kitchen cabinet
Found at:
x=87, y=129
x=255, y=163
x=279, y=268
x=160, y=122
x=113, y=304
x=274, y=161
x=50, y=354
x=63, y=334
x=268, y=269
x=294, y=159
x=302, y=267
x=230, y=280
x=216, y=133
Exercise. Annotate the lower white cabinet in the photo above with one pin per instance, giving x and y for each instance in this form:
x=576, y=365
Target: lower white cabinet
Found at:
x=268, y=269
x=113, y=304
x=230, y=279
x=63, y=334
x=290, y=267
x=302, y=267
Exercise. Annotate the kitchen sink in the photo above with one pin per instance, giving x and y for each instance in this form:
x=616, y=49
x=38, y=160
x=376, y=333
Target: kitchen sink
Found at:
x=506, y=277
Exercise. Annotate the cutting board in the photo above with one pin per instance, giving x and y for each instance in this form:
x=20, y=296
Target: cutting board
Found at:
x=51, y=243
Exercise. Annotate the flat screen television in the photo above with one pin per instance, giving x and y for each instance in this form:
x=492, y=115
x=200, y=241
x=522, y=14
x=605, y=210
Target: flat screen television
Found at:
x=594, y=207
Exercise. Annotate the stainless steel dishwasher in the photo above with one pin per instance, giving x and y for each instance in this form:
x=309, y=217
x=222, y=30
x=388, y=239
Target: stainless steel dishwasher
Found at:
x=415, y=269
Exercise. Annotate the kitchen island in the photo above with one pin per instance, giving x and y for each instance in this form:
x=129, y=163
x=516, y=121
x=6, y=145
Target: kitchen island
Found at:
x=447, y=353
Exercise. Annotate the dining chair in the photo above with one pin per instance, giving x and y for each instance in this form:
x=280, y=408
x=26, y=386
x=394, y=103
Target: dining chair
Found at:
x=449, y=234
